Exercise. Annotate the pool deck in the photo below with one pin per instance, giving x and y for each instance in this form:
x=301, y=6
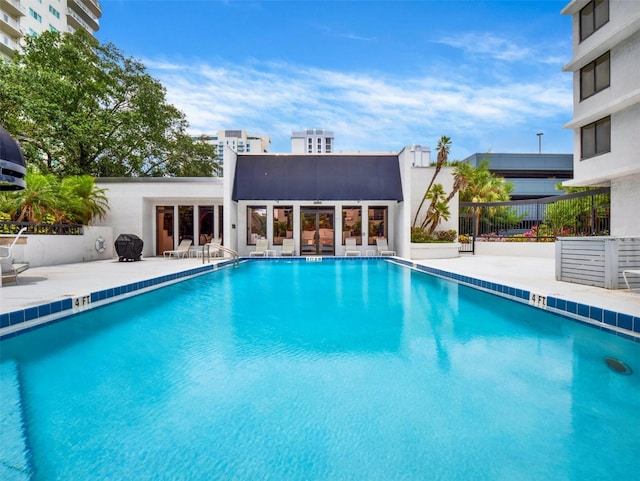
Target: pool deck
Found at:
x=43, y=285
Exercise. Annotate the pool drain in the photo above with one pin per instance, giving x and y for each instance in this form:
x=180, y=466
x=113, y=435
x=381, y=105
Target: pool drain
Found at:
x=618, y=366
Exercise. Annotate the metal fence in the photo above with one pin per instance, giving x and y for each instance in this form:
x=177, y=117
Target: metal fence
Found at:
x=35, y=228
x=540, y=220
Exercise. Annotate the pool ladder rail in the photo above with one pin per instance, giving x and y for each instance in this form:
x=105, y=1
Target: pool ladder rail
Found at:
x=218, y=248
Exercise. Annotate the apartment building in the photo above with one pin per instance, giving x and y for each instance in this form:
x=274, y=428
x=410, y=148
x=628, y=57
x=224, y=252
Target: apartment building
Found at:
x=239, y=141
x=19, y=18
x=312, y=141
x=606, y=100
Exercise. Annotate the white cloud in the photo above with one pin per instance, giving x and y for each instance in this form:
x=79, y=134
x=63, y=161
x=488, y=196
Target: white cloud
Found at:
x=488, y=45
x=366, y=111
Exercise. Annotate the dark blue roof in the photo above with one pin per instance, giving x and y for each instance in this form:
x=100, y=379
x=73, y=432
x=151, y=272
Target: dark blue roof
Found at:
x=317, y=177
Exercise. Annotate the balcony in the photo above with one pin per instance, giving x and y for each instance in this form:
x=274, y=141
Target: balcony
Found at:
x=79, y=8
x=75, y=21
x=94, y=6
x=9, y=26
x=8, y=46
x=13, y=7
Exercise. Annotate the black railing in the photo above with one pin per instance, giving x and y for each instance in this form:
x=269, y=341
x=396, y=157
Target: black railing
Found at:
x=35, y=228
x=540, y=220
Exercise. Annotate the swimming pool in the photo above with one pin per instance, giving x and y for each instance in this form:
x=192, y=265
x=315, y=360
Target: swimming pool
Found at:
x=324, y=370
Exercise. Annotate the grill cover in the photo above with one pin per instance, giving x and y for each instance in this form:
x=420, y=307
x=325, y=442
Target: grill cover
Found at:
x=128, y=247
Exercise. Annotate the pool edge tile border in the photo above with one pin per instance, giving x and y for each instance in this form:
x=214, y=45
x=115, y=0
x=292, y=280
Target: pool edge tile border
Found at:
x=599, y=318
x=20, y=321
x=23, y=320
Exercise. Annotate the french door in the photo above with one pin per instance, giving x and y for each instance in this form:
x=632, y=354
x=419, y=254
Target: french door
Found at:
x=317, y=236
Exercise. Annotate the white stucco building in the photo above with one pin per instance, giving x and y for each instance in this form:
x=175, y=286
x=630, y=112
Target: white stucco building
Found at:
x=317, y=200
x=19, y=18
x=312, y=141
x=606, y=114
x=237, y=140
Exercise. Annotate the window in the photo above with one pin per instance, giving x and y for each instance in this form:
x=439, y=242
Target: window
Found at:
x=205, y=224
x=185, y=222
x=377, y=223
x=282, y=224
x=52, y=28
x=256, y=224
x=596, y=138
x=35, y=15
x=352, y=224
x=595, y=76
x=593, y=16
x=54, y=12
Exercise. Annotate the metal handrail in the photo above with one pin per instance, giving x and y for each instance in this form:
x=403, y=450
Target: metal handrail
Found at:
x=206, y=251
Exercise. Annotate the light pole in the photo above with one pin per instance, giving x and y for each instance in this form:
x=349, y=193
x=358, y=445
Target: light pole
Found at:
x=540, y=134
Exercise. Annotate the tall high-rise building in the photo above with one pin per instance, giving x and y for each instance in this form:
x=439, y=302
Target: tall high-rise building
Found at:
x=606, y=104
x=238, y=140
x=312, y=141
x=19, y=18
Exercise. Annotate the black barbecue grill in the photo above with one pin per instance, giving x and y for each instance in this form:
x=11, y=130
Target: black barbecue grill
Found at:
x=129, y=247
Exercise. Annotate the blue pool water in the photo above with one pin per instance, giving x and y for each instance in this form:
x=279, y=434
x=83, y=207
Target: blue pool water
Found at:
x=346, y=370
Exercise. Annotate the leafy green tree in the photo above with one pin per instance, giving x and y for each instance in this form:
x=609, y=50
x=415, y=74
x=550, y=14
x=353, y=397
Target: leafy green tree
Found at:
x=579, y=216
x=83, y=108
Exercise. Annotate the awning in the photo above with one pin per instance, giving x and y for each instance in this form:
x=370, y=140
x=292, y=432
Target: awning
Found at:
x=317, y=177
x=12, y=166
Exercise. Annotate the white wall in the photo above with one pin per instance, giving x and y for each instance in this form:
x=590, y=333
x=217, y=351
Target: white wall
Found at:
x=625, y=201
x=51, y=250
x=621, y=100
x=132, y=202
x=545, y=250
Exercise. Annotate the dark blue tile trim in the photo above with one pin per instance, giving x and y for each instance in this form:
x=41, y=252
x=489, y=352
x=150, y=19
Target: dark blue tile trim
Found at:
x=57, y=310
x=574, y=311
x=582, y=313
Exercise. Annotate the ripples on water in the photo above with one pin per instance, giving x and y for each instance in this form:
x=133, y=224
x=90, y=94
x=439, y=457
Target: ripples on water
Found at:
x=284, y=371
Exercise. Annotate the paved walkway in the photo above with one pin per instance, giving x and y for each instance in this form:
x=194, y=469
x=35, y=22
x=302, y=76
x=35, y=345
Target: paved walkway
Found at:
x=45, y=284
x=538, y=275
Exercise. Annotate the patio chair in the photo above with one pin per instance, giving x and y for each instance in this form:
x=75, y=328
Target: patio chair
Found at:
x=351, y=249
x=383, y=247
x=8, y=267
x=181, y=251
x=288, y=247
x=214, y=248
x=262, y=245
x=626, y=280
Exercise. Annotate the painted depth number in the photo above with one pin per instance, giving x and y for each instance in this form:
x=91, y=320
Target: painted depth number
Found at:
x=81, y=303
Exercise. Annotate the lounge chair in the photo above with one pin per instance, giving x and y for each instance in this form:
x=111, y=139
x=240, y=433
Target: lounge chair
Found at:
x=214, y=248
x=262, y=245
x=629, y=271
x=288, y=247
x=383, y=247
x=8, y=267
x=351, y=249
x=181, y=251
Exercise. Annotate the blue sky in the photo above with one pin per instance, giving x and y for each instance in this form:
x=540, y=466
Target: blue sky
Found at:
x=379, y=74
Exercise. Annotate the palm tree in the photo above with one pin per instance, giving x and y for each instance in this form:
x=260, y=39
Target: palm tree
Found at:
x=438, y=209
x=443, y=147
x=84, y=201
x=40, y=198
x=484, y=186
